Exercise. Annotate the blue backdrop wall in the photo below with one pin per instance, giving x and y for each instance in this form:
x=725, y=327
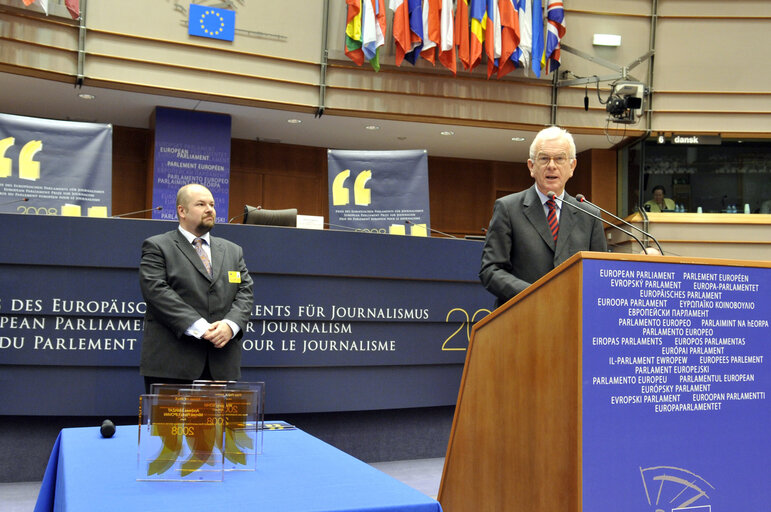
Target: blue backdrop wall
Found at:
x=342, y=320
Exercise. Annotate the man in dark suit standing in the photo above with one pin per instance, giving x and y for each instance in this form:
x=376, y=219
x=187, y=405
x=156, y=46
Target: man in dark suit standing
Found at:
x=199, y=298
x=529, y=234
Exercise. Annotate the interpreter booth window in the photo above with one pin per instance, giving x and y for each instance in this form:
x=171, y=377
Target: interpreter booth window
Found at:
x=729, y=177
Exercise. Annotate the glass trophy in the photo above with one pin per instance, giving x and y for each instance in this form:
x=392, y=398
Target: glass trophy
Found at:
x=181, y=433
x=244, y=418
x=250, y=410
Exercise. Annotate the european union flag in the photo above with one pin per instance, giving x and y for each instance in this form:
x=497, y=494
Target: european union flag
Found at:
x=204, y=21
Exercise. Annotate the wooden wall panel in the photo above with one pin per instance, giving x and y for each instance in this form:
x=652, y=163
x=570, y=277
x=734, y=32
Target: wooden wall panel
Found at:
x=245, y=188
x=459, y=194
x=286, y=191
x=595, y=177
x=604, y=179
x=277, y=176
x=509, y=178
x=130, y=150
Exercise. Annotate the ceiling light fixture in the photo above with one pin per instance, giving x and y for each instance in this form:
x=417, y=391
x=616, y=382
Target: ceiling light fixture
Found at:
x=294, y=121
x=447, y=133
x=372, y=127
x=86, y=96
x=518, y=139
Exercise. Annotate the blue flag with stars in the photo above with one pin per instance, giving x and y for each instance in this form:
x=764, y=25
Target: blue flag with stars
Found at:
x=205, y=21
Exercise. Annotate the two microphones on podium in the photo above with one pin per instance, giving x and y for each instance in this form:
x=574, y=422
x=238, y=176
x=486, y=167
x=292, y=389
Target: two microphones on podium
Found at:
x=582, y=199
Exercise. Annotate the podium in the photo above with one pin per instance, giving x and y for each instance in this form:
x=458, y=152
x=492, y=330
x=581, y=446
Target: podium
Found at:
x=618, y=382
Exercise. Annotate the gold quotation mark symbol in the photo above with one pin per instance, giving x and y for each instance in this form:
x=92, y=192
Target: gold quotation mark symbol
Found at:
x=361, y=194
x=6, y=164
x=341, y=195
x=29, y=168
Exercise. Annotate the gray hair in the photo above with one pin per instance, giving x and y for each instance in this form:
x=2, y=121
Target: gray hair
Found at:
x=552, y=133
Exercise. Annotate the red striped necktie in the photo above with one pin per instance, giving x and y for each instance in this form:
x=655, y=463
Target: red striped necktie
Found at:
x=551, y=218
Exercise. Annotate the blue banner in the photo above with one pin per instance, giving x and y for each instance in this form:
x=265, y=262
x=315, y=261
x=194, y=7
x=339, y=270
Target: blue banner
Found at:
x=50, y=167
x=390, y=305
x=675, y=387
x=190, y=147
x=374, y=323
x=379, y=191
x=205, y=21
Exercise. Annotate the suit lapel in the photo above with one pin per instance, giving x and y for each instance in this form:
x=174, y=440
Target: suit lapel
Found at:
x=567, y=223
x=217, y=255
x=534, y=212
x=190, y=253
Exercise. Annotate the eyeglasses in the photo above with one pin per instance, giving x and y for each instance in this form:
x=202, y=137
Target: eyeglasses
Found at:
x=544, y=160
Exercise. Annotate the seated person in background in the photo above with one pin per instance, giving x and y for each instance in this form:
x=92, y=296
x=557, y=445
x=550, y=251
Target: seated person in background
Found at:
x=659, y=203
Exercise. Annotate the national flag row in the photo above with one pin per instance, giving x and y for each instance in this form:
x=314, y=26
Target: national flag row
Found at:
x=510, y=33
x=73, y=6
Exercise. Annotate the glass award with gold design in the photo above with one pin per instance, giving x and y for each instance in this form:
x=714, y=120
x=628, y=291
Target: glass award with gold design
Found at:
x=244, y=416
x=181, y=434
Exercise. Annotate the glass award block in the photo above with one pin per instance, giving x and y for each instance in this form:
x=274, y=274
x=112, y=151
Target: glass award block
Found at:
x=246, y=411
x=181, y=436
x=244, y=419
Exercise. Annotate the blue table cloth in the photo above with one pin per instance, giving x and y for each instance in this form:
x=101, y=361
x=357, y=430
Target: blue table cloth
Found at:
x=296, y=472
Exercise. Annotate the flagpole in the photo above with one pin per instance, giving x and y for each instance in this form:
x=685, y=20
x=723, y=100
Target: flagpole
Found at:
x=324, y=60
x=81, y=43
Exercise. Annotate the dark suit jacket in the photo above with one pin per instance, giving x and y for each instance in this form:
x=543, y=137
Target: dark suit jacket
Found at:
x=178, y=291
x=519, y=247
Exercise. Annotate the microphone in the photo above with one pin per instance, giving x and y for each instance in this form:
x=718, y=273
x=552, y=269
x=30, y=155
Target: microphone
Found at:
x=107, y=429
x=158, y=208
x=20, y=200
x=346, y=228
x=582, y=199
x=432, y=230
x=552, y=195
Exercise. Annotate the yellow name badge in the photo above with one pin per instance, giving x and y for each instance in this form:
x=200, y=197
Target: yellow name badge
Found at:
x=234, y=276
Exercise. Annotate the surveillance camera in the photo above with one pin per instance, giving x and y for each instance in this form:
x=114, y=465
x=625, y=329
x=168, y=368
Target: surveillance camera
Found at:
x=616, y=106
x=625, y=102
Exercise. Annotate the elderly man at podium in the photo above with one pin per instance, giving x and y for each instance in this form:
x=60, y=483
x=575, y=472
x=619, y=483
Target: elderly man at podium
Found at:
x=530, y=232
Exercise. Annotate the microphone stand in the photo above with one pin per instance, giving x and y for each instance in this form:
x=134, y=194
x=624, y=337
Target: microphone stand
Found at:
x=158, y=208
x=582, y=199
x=552, y=195
x=341, y=227
x=431, y=229
x=19, y=200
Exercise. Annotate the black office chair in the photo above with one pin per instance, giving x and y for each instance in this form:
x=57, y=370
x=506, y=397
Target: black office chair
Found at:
x=260, y=216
